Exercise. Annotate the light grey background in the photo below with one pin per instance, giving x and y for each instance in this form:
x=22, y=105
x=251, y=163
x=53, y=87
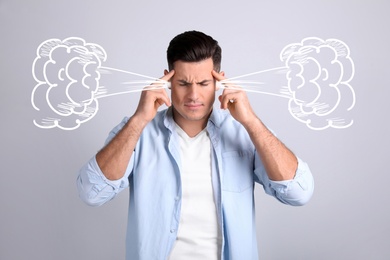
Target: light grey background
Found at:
x=41, y=216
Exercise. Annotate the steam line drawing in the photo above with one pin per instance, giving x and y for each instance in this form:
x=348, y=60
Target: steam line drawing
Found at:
x=71, y=78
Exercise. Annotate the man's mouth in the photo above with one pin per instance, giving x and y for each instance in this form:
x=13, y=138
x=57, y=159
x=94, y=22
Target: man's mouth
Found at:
x=193, y=105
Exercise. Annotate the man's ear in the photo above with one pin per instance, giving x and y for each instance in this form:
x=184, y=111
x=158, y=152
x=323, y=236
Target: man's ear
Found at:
x=217, y=84
x=169, y=83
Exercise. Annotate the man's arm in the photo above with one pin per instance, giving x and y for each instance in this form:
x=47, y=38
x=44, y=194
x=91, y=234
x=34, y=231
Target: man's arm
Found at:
x=279, y=162
x=114, y=157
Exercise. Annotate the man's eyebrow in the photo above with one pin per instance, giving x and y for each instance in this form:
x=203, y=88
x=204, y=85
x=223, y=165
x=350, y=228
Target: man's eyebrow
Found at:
x=183, y=81
x=202, y=82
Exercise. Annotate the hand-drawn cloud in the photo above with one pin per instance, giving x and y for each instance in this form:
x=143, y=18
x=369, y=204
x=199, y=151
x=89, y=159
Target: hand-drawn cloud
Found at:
x=318, y=77
x=315, y=78
x=68, y=79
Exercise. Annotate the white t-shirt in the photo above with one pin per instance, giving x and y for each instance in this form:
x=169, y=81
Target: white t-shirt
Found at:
x=198, y=234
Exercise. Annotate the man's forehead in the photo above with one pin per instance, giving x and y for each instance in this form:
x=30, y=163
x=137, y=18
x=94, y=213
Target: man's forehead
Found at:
x=202, y=64
x=193, y=75
x=193, y=71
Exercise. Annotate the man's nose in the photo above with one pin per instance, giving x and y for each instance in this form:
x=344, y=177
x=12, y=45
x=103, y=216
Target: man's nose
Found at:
x=193, y=91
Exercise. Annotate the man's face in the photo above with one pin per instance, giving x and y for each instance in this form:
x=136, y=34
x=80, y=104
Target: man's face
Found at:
x=192, y=91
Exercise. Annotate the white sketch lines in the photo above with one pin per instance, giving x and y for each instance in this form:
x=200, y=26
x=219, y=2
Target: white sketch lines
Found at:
x=70, y=79
x=315, y=78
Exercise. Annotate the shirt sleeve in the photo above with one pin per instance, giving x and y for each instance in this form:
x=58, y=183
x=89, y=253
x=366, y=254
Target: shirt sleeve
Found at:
x=295, y=192
x=93, y=187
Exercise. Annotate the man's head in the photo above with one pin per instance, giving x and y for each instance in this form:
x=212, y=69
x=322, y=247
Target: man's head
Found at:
x=193, y=46
x=193, y=56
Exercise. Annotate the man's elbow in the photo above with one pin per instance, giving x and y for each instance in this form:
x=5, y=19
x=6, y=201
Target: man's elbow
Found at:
x=90, y=201
x=300, y=194
x=300, y=201
x=89, y=197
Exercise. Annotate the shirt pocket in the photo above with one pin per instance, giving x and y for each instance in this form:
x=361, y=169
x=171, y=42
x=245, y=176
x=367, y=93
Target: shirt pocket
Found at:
x=237, y=170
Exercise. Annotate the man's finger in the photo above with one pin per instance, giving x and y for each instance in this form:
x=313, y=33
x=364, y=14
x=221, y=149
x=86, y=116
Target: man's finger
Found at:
x=168, y=76
x=162, y=82
x=217, y=76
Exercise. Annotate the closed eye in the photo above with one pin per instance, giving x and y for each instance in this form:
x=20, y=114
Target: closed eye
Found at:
x=184, y=83
x=204, y=83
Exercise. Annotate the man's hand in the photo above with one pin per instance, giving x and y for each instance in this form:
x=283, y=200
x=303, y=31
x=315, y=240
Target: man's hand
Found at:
x=236, y=100
x=152, y=99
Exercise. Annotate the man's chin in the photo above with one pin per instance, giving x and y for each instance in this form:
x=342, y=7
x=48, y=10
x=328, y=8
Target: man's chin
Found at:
x=191, y=114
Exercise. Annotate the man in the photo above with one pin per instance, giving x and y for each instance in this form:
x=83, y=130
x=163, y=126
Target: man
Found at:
x=191, y=168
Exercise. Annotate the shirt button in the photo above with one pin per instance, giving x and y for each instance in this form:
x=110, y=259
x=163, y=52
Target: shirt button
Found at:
x=177, y=198
x=173, y=230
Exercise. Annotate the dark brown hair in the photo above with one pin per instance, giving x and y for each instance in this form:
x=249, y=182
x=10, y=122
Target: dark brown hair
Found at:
x=193, y=46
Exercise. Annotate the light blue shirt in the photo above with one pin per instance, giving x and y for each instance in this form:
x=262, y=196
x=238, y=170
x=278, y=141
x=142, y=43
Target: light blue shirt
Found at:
x=153, y=178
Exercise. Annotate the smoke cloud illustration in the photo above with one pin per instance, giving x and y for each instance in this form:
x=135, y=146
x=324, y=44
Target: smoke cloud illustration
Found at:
x=318, y=78
x=70, y=79
x=67, y=76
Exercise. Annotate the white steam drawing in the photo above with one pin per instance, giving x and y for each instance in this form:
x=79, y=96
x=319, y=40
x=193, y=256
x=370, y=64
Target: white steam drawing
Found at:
x=70, y=80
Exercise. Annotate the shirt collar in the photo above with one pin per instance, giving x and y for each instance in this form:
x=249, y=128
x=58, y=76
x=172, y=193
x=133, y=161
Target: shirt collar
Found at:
x=168, y=119
x=217, y=116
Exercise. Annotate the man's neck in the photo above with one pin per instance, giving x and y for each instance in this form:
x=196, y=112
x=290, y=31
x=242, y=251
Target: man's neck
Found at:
x=190, y=127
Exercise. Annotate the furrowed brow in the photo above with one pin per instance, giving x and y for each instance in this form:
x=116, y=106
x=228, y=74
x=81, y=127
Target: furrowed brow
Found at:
x=204, y=81
x=182, y=81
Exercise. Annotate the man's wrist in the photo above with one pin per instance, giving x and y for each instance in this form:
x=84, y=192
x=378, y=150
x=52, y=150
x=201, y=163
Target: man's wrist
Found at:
x=138, y=120
x=137, y=123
